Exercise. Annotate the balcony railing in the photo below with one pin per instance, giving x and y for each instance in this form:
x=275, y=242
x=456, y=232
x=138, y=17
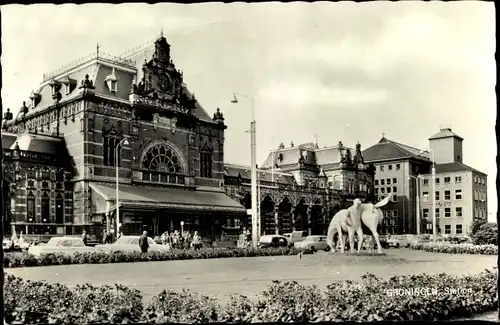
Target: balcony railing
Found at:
x=29, y=155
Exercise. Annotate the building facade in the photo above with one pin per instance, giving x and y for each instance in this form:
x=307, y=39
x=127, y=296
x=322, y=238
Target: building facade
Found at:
x=460, y=194
x=302, y=187
x=396, y=168
x=93, y=123
x=102, y=138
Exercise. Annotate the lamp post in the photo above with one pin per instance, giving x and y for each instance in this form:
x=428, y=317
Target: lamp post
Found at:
x=254, y=168
x=417, y=180
x=433, y=180
x=117, y=151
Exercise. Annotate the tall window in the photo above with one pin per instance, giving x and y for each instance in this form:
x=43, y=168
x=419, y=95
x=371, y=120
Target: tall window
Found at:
x=447, y=229
x=458, y=211
x=45, y=207
x=436, y=195
x=425, y=182
x=447, y=195
x=447, y=212
x=109, y=145
x=388, y=181
x=447, y=180
x=382, y=182
x=30, y=207
x=206, y=164
x=458, y=194
x=458, y=229
x=425, y=213
x=59, y=209
x=425, y=196
x=437, y=212
x=394, y=180
x=437, y=180
x=458, y=179
x=398, y=166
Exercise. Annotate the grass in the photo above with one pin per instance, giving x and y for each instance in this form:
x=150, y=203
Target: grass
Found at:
x=248, y=276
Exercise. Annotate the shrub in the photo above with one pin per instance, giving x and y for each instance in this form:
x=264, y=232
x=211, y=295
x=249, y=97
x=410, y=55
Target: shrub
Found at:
x=12, y=260
x=484, y=233
x=451, y=248
x=366, y=300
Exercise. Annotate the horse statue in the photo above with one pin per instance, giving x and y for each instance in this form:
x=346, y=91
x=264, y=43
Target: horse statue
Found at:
x=352, y=219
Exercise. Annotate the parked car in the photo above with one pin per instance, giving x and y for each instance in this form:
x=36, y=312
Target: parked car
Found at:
x=65, y=245
x=370, y=241
x=295, y=237
x=130, y=244
x=314, y=243
x=272, y=241
x=7, y=244
x=396, y=242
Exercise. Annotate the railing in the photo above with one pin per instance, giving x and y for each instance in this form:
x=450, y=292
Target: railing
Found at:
x=29, y=155
x=162, y=178
x=82, y=60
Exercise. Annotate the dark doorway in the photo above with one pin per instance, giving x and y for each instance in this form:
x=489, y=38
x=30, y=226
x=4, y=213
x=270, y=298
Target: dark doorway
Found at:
x=59, y=209
x=317, y=222
x=267, y=222
x=301, y=221
x=285, y=216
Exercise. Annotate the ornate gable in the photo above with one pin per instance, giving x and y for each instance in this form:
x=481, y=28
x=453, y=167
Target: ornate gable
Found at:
x=162, y=84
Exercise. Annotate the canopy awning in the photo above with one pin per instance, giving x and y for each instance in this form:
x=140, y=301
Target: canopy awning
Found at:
x=153, y=198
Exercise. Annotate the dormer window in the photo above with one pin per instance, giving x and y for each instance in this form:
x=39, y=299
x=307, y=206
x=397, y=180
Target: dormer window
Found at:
x=35, y=99
x=111, y=82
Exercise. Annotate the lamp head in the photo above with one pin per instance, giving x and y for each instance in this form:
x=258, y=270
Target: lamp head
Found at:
x=235, y=100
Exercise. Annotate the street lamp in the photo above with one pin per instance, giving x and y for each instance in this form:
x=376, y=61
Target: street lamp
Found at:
x=417, y=179
x=253, y=160
x=125, y=142
x=433, y=180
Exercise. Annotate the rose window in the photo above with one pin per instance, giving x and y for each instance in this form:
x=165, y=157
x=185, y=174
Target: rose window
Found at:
x=161, y=158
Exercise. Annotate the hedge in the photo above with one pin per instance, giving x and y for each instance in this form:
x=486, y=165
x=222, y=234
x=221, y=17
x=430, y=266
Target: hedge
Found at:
x=12, y=260
x=452, y=248
x=364, y=300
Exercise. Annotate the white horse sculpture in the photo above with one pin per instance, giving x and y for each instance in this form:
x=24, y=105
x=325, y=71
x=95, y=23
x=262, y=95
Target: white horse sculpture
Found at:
x=350, y=219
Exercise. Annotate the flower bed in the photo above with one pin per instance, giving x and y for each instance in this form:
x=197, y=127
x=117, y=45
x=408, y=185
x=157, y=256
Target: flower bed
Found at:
x=25, y=260
x=452, y=248
x=365, y=300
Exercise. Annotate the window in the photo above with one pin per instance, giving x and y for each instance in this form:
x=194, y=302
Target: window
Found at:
x=447, y=180
x=382, y=190
x=437, y=180
x=458, y=211
x=376, y=182
x=447, y=195
x=394, y=181
x=458, y=194
x=388, y=181
x=475, y=179
x=447, y=229
x=381, y=168
x=475, y=195
x=390, y=167
x=398, y=166
x=458, y=179
x=394, y=198
x=458, y=229
x=395, y=213
x=389, y=189
x=436, y=195
x=376, y=190
x=425, y=213
x=30, y=207
x=394, y=189
x=59, y=209
x=382, y=182
x=425, y=196
x=161, y=158
x=437, y=212
x=389, y=214
x=45, y=207
x=109, y=145
x=483, y=181
x=426, y=182
x=206, y=164
x=447, y=212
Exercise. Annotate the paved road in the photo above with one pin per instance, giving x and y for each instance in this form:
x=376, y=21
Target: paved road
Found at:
x=248, y=276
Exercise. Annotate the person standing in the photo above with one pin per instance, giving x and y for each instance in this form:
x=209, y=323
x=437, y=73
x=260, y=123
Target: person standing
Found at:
x=143, y=242
x=196, y=243
x=84, y=237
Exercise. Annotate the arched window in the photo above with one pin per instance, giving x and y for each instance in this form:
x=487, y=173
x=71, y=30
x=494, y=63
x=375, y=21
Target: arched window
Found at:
x=206, y=164
x=161, y=158
x=30, y=207
x=59, y=209
x=45, y=207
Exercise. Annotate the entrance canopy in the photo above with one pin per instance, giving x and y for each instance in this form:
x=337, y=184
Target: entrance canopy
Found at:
x=173, y=199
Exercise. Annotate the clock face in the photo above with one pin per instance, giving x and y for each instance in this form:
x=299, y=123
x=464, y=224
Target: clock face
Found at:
x=163, y=82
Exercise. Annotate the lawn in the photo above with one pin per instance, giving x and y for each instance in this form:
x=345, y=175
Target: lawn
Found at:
x=222, y=277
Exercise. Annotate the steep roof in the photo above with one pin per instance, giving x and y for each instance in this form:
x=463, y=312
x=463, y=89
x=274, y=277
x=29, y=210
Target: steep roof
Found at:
x=455, y=167
x=234, y=170
x=387, y=149
x=8, y=139
x=445, y=133
x=40, y=143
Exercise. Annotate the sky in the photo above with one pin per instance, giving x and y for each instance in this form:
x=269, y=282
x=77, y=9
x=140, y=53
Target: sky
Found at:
x=343, y=71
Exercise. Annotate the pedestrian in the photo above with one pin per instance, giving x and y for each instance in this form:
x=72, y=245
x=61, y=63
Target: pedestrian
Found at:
x=164, y=238
x=120, y=234
x=175, y=239
x=84, y=237
x=143, y=242
x=187, y=240
x=196, y=243
x=104, y=236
